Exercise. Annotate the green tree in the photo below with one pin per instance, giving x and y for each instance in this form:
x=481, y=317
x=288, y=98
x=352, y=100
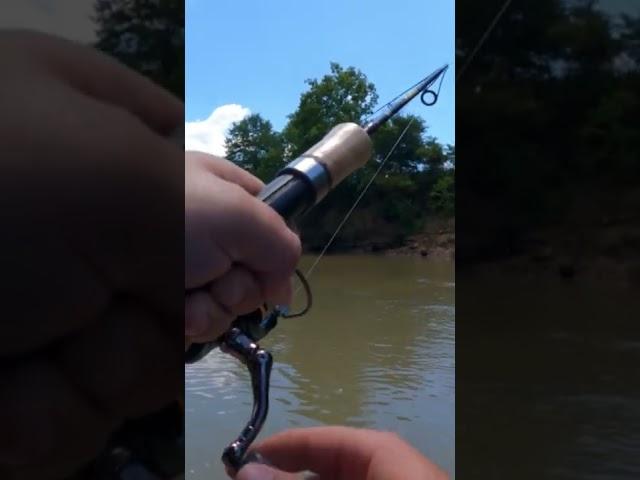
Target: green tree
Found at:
x=547, y=104
x=436, y=157
x=630, y=37
x=399, y=200
x=344, y=95
x=410, y=173
x=255, y=146
x=410, y=155
x=146, y=35
x=450, y=151
x=442, y=196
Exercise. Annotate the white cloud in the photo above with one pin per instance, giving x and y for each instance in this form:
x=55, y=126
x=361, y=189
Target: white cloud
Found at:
x=208, y=135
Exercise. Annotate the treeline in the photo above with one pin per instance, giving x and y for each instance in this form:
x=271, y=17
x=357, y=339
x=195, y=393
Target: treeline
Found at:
x=548, y=112
x=417, y=181
x=146, y=35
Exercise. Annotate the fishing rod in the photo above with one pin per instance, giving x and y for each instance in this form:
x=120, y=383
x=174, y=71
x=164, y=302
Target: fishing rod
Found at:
x=299, y=186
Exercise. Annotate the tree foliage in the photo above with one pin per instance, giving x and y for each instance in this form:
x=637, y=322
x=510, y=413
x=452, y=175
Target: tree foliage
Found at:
x=551, y=101
x=255, y=146
x=442, y=196
x=410, y=154
x=146, y=35
x=344, y=95
x=399, y=200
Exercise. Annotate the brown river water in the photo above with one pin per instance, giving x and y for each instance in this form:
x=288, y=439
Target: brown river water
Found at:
x=376, y=351
x=548, y=376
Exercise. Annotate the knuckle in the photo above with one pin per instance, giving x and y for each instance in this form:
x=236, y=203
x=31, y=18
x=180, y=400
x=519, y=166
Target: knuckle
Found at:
x=292, y=248
x=205, y=160
x=240, y=200
x=123, y=124
x=391, y=438
x=235, y=288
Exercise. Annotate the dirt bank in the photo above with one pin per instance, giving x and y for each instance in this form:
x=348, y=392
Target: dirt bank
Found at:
x=437, y=240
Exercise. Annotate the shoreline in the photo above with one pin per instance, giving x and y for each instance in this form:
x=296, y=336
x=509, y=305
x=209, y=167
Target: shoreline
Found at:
x=436, y=240
x=440, y=245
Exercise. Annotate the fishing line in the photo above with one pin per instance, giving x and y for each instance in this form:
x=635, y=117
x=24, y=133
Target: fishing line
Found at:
x=353, y=207
x=485, y=35
x=435, y=94
x=241, y=339
x=428, y=90
x=475, y=50
x=307, y=289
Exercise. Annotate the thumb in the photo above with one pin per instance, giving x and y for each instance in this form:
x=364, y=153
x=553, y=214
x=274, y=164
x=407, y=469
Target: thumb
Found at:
x=256, y=471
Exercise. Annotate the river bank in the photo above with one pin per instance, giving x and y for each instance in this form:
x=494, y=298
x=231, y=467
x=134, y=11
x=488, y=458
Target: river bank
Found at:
x=604, y=252
x=435, y=240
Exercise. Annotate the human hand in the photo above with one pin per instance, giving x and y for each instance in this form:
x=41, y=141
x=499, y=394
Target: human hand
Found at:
x=340, y=453
x=91, y=252
x=239, y=252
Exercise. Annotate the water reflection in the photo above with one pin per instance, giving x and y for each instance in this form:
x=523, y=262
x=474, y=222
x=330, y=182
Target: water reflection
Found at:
x=558, y=396
x=377, y=351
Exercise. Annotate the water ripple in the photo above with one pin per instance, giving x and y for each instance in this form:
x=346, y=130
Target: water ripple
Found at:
x=377, y=356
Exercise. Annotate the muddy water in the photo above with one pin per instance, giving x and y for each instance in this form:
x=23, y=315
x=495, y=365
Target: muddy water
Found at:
x=376, y=351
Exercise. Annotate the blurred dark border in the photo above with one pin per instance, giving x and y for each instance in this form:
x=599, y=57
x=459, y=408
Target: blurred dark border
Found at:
x=548, y=240
x=148, y=36
x=145, y=35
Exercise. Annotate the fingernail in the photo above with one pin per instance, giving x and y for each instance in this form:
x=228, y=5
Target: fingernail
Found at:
x=254, y=471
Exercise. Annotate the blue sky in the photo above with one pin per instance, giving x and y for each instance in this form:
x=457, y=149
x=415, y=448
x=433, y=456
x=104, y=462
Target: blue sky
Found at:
x=251, y=55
